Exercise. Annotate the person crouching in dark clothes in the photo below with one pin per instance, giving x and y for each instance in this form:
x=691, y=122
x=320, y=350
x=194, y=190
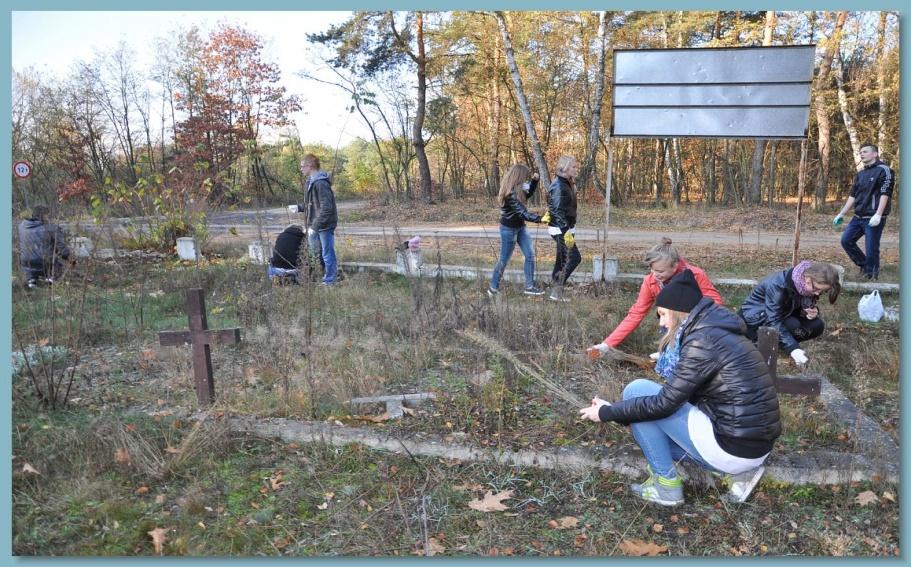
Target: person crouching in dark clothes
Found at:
x=787, y=302
x=286, y=259
x=42, y=248
x=718, y=406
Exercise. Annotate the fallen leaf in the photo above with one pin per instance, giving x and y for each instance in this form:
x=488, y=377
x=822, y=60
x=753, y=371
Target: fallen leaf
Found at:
x=43, y=342
x=434, y=547
x=579, y=540
x=201, y=525
x=277, y=481
x=491, y=502
x=639, y=548
x=376, y=418
x=131, y=427
x=142, y=490
x=564, y=523
x=158, y=539
x=27, y=468
x=482, y=523
x=159, y=499
x=171, y=450
x=322, y=506
x=407, y=411
x=866, y=497
x=889, y=496
x=658, y=528
x=122, y=456
x=329, y=496
x=683, y=530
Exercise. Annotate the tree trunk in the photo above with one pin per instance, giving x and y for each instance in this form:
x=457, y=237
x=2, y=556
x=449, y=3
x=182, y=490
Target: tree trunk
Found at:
x=846, y=114
x=708, y=173
x=822, y=116
x=770, y=192
x=672, y=173
x=493, y=121
x=540, y=162
x=756, y=171
x=881, y=81
x=418, y=131
x=588, y=165
x=656, y=170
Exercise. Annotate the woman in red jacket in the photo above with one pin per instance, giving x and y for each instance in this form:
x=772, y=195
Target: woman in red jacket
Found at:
x=664, y=262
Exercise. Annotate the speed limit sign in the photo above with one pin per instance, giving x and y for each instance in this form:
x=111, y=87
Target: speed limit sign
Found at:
x=22, y=169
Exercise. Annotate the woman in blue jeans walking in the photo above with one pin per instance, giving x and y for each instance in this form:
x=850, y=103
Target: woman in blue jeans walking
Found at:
x=517, y=186
x=718, y=406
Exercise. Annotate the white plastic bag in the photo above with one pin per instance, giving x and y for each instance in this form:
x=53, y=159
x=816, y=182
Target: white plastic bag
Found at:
x=870, y=307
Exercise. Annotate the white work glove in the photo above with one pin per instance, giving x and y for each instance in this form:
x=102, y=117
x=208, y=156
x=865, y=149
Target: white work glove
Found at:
x=874, y=220
x=293, y=209
x=310, y=231
x=591, y=412
x=597, y=351
x=799, y=356
x=654, y=355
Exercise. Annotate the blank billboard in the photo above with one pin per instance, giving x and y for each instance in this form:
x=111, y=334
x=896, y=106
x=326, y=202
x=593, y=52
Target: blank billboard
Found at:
x=738, y=92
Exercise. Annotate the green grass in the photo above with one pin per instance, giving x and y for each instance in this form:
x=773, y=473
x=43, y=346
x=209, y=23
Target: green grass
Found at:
x=305, y=351
x=351, y=501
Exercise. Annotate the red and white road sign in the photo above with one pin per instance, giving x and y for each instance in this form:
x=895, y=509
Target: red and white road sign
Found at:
x=22, y=169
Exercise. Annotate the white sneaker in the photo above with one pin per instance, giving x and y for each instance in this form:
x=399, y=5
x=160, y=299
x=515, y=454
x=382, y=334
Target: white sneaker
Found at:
x=556, y=294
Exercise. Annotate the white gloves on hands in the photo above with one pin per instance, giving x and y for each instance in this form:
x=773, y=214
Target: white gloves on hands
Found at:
x=874, y=220
x=591, y=412
x=654, y=355
x=799, y=356
x=597, y=351
x=310, y=232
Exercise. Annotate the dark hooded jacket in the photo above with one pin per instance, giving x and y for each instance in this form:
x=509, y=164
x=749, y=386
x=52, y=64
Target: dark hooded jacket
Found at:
x=561, y=202
x=721, y=372
x=771, y=302
x=287, y=248
x=319, y=202
x=513, y=213
x=41, y=244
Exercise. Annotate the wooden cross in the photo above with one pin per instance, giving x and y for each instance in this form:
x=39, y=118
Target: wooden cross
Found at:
x=200, y=336
x=799, y=385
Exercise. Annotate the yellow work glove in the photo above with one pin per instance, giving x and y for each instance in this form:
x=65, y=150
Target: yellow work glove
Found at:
x=545, y=218
x=569, y=239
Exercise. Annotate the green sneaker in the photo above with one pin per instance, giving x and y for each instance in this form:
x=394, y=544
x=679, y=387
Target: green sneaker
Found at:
x=660, y=490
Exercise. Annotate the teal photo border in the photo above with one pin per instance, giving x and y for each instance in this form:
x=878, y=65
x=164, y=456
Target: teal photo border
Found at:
x=271, y=5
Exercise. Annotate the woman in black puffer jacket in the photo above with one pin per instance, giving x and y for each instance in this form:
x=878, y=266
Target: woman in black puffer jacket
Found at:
x=718, y=406
x=517, y=187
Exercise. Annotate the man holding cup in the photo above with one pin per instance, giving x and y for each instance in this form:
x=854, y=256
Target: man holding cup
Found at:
x=322, y=217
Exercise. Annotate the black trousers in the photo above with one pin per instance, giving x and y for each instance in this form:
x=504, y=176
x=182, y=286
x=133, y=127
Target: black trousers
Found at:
x=802, y=328
x=567, y=260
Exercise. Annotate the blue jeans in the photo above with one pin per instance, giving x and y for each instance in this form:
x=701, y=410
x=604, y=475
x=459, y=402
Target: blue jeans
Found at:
x=856, y=229
x=322, y=246
x=663, y=441
x=508, y=238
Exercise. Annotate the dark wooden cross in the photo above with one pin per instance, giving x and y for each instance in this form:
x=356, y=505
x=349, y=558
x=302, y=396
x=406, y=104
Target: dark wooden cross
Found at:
x=200, y=336
x=799, y=385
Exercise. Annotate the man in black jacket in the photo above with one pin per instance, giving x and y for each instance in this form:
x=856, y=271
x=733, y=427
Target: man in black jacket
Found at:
x=322, y=216
x=42, y=248
x=718, y=406
x=285, y=261
x=871, y=193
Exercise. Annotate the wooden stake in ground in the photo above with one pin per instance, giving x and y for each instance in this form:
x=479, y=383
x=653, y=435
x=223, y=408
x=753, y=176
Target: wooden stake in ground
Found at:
x=200, y=336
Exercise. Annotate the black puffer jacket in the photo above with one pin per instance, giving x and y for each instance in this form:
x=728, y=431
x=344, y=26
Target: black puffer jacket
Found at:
x=722, y=373
x=288, y=248
x=561, y=202
x=513, y=213
x=770, y=303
